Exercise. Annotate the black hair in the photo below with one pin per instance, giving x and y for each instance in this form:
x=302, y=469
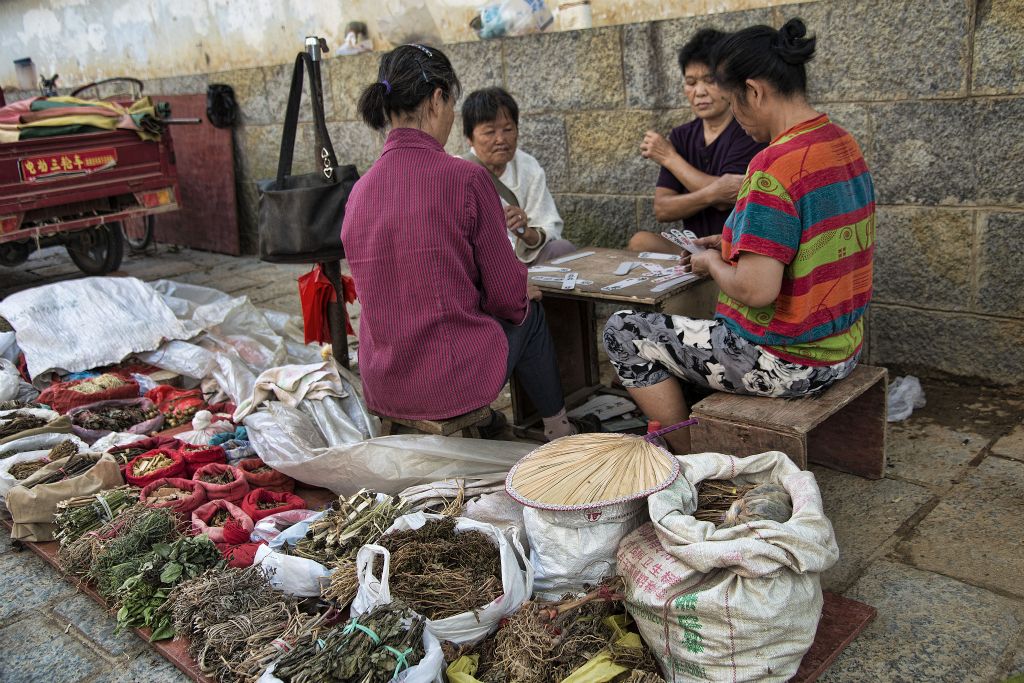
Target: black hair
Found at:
x=778, y=57
x=407, y=76
x=484, y=106
x=698, y=48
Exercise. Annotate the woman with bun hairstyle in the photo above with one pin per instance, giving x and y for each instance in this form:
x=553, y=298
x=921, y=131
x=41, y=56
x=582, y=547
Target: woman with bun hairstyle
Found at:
x=446, y=311
x=794, y=261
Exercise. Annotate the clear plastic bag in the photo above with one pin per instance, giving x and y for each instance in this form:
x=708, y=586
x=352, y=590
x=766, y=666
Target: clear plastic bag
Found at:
x=905, y=394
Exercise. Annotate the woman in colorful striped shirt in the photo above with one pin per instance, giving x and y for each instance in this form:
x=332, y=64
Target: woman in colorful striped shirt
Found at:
x=793, y=263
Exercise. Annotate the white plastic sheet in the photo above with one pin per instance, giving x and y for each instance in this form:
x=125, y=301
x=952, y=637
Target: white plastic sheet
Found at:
x=181, y=357
x=467, y=627
x=287, y=440
x=81, y=324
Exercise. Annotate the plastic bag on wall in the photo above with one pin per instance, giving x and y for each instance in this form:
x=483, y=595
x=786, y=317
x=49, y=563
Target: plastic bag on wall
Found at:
x=514, y=18
x=400, y=23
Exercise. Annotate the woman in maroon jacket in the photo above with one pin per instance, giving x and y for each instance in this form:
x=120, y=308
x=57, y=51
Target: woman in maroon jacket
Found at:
x=447, y=314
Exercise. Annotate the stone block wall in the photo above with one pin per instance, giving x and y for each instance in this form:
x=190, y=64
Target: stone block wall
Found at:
x=932, y=89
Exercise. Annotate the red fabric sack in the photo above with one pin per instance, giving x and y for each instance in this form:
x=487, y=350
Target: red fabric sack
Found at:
x=316, y=294
x=239, y=556
x=168, y=442
x=178, y=406
x=169, y=472
x=62, y=396
x=197, y=456
x=238, y=525
x=234, y=492
x=182, y=507
x=271, y=481
x=284, y=501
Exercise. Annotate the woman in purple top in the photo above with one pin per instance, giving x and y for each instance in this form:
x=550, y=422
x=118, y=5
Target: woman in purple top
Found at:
x=447, y=314
x=703, y=161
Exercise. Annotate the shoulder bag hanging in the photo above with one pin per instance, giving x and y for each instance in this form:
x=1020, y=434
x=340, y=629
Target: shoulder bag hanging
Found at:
x=300, y=215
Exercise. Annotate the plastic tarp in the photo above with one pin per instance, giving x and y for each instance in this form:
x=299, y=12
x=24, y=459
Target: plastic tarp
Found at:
x=288, y=440
x=78, y=325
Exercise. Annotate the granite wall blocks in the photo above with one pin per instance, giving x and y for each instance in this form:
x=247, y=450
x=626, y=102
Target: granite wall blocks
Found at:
x=348, y=76
x=922, y=257
x=566, y=71
x=596, y=220
x=1001, y=264
x=998, y=47
x=875, y=50
x=604, y=152
x=924, y=342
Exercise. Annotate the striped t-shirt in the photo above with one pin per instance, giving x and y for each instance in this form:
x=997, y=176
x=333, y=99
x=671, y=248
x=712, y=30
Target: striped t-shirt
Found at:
x=808, y=201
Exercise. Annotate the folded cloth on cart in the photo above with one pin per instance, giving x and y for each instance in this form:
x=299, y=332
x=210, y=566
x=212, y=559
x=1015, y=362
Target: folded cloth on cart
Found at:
x=48, y=116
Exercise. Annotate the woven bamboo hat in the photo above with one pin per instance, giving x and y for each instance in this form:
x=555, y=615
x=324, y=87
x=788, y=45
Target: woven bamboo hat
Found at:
x=590, y=470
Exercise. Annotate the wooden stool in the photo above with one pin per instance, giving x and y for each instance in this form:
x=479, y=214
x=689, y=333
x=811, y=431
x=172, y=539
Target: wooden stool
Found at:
x=469, y=424
x=843, y=428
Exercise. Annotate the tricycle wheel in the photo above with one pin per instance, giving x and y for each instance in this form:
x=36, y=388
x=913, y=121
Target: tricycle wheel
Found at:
x=99, y=250
x=138, y=232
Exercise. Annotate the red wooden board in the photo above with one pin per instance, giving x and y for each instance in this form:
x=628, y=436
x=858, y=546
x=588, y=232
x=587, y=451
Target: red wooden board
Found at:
x=205, y=158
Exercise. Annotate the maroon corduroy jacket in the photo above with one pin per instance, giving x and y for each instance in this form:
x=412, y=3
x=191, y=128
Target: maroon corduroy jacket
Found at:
x=425, y=236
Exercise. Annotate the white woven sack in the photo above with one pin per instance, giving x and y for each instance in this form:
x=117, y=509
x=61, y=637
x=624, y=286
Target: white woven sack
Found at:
x=736, y=604
x=468, y=627
x=570, y=548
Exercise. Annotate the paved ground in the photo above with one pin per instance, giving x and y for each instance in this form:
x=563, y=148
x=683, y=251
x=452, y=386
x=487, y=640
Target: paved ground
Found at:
x=937, y=545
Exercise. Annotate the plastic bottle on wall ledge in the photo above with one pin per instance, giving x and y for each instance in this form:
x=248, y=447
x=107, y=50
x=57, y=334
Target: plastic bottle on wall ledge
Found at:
x=574, y=15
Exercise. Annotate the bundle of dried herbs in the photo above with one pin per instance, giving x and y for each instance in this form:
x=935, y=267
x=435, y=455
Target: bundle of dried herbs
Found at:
x=548, y=641
x=79, y=555
x=77, y=516
x=342, y=585
x=266, y=634
x=373, y=648
x=96, y=385
x=439, y=573
x=217, y=596
x=118, y=559
x=65, y=449
x=19, y=423
x=715, y=497
x=123, y=457
x=155, y=575
x=18, y=405
x=113, y=418
x=24, y=470
x=350, y=524
x=77, y=464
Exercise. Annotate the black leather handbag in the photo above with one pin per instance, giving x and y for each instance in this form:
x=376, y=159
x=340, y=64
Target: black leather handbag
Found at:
x=300, y=215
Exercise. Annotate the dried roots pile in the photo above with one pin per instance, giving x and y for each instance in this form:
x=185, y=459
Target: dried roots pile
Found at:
x=114, y=418
x=715, y=497
x=348, y=525
x=77, y=464
x=20, y=423
x=24, y=470
x=225, y=477
x=439, y=573
x=217, y=596
x=144, y=466
x=374, y=648
x=343, y=584
x=727, y=504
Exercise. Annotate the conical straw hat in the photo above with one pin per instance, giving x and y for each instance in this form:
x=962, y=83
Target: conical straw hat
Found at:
x=590, y=470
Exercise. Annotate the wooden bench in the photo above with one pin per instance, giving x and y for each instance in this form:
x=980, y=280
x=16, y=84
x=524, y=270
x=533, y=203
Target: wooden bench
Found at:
x=469, y=424
x=843, y=428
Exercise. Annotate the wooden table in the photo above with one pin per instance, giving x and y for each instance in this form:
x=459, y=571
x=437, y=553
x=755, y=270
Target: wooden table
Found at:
x=572, y=319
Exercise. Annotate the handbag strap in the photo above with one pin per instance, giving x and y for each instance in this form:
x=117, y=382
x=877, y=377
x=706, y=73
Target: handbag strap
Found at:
x=326, y=160
x=503, y=190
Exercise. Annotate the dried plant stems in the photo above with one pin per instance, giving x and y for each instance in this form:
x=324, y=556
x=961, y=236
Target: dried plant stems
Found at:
x=588, y=469
x=348, y=526
x=79, y=515
x=343, y=584
x=715, y=497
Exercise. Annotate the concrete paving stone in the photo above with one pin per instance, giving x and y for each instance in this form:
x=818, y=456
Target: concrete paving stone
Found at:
x=930, y=453
x=1011, y=445
x=27, y=583
x=36, y=649
x=66, y=267
x=286, y=304
x=157, y=269
x=97, y=625
x=147, y=667
x=864, y=514
x=929, y=628
x=975, y=533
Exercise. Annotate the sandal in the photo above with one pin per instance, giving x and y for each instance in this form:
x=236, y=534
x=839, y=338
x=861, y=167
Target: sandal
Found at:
x=495, y=428
x=587, y=424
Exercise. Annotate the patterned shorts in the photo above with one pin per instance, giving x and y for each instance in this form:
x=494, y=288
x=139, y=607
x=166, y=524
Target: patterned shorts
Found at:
x=648, y=348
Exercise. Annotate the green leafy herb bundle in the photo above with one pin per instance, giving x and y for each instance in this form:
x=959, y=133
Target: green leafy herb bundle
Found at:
x=142, y=594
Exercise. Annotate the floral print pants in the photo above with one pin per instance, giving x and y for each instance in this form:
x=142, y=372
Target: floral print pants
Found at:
x=648, y=348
